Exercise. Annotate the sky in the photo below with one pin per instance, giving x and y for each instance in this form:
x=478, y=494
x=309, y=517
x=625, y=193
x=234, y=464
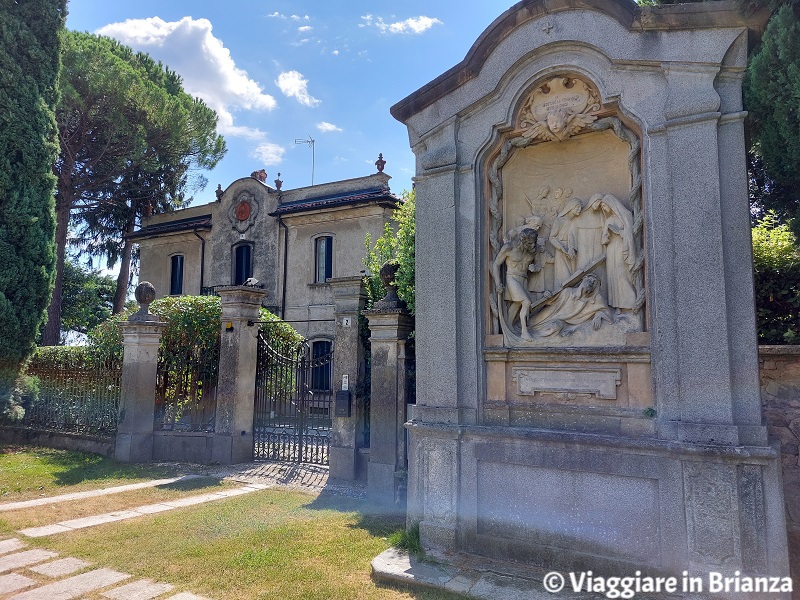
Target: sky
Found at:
x=286, y=71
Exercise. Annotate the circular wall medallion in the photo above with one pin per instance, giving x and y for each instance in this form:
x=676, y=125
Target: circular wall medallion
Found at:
x=243, y=210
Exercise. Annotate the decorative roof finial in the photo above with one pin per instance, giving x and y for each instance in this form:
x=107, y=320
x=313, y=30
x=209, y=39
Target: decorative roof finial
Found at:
x=278, y=183
x=380, y=163
x=219, y=192
x=260, y=175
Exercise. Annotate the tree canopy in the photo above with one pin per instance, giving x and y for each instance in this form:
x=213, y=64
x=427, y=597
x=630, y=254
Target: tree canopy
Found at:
x=88, y=298
x=397, y=244
x=29, y=66
x=131, y=141
x=772, y=99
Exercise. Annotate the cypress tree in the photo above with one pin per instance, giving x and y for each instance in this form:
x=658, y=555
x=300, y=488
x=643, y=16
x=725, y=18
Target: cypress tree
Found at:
x=772, y=99
x=29, y=67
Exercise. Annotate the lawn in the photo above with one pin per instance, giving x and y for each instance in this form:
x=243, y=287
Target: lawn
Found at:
x=32, y=472
x=274, y=543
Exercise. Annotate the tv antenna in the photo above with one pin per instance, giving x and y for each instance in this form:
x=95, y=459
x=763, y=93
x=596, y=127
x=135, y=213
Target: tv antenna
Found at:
x=310, y=141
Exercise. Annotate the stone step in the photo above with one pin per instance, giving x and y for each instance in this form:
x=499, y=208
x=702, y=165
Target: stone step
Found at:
x=14, y=582
x=74, y=587
x=10, y=545
x=9, y=562
x=144, y=589
x=60, y=567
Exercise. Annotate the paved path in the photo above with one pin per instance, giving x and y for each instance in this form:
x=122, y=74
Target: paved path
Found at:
x=93, y=493
x=42, y=575
x=139, y=511
x=39, y=574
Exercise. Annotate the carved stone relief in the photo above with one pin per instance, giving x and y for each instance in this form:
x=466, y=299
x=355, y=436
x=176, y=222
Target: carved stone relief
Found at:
x=565, y=224
x=558, y=109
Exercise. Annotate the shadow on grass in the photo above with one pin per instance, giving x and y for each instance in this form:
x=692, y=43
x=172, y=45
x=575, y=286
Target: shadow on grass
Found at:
x=377, y=520
x=70, y=467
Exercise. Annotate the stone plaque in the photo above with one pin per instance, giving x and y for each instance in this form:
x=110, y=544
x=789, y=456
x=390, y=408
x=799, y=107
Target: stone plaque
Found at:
x=601, y=383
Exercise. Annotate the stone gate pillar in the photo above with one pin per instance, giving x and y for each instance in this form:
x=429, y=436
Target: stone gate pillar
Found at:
x=141, y=335
x=349, y=297
x=390, y=326
x=233, y=439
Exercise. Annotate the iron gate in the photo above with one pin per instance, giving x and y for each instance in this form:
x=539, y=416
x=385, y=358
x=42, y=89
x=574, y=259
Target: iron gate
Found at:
x=293, y=400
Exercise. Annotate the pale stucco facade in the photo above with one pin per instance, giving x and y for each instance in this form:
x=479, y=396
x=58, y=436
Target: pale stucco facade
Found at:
x=291, y=241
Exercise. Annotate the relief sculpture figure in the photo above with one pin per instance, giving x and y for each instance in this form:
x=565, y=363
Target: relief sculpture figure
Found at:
x=571, y=307
x=518, y=255
x=617, y=239
x=564, y=238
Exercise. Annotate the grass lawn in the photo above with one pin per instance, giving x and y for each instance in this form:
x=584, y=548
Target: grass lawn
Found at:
x=30, y=472
x=274, y=543
x=47, y=514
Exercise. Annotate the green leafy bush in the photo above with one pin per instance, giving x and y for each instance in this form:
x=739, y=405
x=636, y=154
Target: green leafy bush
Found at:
x=192, y=321
x=396, y=244
x=776, y=262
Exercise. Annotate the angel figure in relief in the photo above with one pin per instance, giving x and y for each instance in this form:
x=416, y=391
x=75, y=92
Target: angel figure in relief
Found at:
x=558, y=125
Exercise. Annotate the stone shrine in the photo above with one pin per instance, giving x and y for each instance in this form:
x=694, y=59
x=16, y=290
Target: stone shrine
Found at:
x=587, y=369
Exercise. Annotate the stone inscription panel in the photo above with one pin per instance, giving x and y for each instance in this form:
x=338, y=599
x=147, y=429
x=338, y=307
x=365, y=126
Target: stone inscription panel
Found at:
x=591, y=513
x=601, y=383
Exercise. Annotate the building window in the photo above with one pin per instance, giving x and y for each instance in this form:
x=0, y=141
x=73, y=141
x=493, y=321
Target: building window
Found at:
x=323, y=263
x=176, y=276
x=242, y=263
x=321, y=374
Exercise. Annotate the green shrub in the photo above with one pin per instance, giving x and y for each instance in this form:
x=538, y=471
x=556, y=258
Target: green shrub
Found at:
x=396, y=244
x=776, y=262
x=192, y=322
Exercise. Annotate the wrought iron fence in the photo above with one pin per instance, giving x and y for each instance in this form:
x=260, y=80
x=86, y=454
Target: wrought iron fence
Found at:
x=186, y=388
x=74, y=400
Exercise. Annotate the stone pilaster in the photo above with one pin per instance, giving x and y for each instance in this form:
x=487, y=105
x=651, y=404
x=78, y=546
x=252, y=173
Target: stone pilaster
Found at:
x=233, y=439
x=349, y=298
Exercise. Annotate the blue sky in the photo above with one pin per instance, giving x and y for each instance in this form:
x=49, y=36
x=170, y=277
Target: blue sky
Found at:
x=280, y=71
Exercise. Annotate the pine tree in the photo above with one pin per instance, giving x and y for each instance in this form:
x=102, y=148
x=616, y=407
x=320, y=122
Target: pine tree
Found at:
x=29, y=68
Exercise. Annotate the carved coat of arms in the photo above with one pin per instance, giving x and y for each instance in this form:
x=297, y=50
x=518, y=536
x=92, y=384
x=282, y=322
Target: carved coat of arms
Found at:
x=558, y=109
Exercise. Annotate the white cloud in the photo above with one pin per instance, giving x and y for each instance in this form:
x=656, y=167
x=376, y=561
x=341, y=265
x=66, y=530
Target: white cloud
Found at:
x=269, y=154
x=335, y=53
x=189, y=47
x=326, y=127
x=299, y=18
x=276, y=15
x=304, y=28
x=412, y=25
x=294, y=85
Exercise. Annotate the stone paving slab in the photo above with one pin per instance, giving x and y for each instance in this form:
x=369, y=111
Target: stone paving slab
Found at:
x=187, y=596
x=122, y=515
x=10, y=545
x=44, y=530
x=150, y=509
x=93, y=493
x=60, y=567
x=144, y=589
x=18, y=560
x=14, y=582
x=74, y=587
x=94, y=520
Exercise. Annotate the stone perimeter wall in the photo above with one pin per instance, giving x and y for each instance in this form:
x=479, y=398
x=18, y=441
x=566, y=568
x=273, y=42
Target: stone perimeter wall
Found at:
x=780, y=398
